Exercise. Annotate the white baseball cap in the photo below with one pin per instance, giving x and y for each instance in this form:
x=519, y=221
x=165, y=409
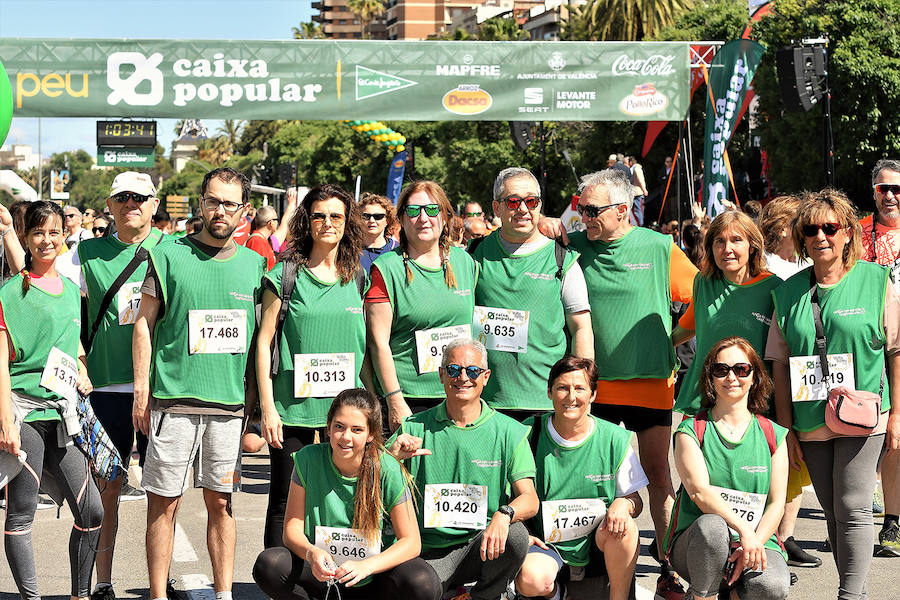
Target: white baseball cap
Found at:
x=132, y=181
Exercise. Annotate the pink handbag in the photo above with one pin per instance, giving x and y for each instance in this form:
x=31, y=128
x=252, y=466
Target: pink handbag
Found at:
x=852, y=412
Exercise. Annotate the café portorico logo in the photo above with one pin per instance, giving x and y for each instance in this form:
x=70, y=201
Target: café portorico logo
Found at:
x=128, y=71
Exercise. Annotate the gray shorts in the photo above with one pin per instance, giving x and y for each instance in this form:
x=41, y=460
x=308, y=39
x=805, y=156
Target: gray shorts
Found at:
x=209, y=443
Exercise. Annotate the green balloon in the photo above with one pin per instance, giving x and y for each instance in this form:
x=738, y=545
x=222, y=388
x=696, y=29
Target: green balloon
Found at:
x=6, y=104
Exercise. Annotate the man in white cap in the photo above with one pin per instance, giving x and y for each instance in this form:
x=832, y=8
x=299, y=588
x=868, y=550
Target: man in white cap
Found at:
x=110, y=271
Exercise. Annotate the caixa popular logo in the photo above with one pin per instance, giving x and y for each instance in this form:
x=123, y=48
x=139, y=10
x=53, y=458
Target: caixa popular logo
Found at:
x=467, y=100
x=643, y=100
x=657, y=64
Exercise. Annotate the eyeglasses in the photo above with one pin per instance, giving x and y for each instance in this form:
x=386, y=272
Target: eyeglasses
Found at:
x=126, y=196
x=373, y=216
x=98, y=229
x=472, y=372
x=414, y=210
x=213, y=204
x=720, y=370
x=474, y=214
x=514, y=202
x=884, y=188
x=319, y=217
x=592, y=212
x=829, y=229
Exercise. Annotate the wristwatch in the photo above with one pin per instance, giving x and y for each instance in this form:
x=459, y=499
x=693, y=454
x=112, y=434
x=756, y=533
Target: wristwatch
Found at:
x=507, y=510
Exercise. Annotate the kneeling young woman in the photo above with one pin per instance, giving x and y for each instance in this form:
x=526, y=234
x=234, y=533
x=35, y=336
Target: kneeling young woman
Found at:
x=333, y=525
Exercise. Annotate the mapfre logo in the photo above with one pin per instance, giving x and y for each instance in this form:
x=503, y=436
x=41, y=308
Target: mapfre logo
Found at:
x=467, y=100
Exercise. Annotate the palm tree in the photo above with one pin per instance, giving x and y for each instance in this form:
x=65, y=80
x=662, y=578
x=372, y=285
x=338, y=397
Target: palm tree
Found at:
x=214, y=151
x=501, y=29
x=366, y=11
x=625, y=20
x=231, y=129
x=308, y=31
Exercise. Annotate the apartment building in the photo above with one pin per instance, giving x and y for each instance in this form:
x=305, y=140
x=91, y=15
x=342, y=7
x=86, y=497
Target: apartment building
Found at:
x=337, y=22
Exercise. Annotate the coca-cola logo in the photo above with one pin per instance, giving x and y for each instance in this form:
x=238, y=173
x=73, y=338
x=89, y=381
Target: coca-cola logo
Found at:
x=658, y=65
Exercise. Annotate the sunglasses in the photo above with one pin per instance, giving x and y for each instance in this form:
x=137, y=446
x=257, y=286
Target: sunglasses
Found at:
x=98, y=229
x=592, y=212
x=319, y=217
x=472, y=372
x=514, y=202
x=884, y=188
x=373, y=216
x=829, y=229
x=414, y=210
x=474, y=214
x=71, y=215
x=720, y=370
x=126, y=196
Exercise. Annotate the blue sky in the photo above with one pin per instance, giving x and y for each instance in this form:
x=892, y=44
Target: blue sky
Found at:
x=163, y=19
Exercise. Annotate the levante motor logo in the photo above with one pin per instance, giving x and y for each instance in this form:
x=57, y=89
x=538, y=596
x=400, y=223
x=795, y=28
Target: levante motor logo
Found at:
x=467, y=99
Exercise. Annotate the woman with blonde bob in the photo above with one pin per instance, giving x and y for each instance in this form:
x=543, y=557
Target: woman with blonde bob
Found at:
x=732, y=296
x=725, y=515
x=859, y=314
x=378, y=221
x=421, y=297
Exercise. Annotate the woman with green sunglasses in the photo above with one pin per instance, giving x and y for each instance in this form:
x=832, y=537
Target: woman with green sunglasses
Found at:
x=420, y=299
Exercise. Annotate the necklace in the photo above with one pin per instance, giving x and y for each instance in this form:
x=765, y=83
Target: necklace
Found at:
x=734, y=432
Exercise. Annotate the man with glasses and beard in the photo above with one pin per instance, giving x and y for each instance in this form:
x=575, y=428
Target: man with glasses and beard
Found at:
x=881, y=244
x=530, y=292
x=475, y=472
x=633, y=275
x=199, y=300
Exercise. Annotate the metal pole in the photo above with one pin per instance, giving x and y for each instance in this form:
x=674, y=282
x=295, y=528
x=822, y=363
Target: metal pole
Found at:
x=543, y=159
x=677, y=178
x=40, y=164
x=689, y=161
x=826, y=117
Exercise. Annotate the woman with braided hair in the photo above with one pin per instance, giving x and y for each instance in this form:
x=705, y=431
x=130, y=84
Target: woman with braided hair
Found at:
x=419, y=300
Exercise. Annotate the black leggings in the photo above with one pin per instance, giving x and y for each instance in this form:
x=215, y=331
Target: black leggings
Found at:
x=281, y=466
x=67, y=468
x=281, y=575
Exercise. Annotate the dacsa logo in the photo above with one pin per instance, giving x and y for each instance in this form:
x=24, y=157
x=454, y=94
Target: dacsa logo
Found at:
x=51, y=85
x=467, y=100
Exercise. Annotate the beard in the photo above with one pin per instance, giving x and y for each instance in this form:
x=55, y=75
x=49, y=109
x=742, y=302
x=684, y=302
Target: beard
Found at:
x=216, y=230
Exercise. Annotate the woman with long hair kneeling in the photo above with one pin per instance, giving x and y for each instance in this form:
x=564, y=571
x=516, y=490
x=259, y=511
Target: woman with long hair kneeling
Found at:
x=333, y=528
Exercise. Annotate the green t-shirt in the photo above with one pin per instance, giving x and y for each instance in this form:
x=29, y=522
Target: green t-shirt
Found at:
x=426, y=303
x=331, y=497
x=525, y=282
x=585, y=471
x=853, y=318
x=742, y=466
x=630, y=296
x=722, y=309
x=38, y=322
x=190, y=281
x=492, y=451
x=102, y=261
x=323, y=318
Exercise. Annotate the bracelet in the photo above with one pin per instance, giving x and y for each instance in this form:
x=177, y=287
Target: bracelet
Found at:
x=633, y=505
x=308, y=550
x=394, y=393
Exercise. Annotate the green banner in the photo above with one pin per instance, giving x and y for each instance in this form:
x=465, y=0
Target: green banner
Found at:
x=730, y=75
x=331, y=80
x=114, y=156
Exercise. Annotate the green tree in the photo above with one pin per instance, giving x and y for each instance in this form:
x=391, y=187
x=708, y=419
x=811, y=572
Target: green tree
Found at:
x=864, y=73
x=629, y=20
x=502, y=29
x=231, y=129
x=366, y=11
x=308, y=31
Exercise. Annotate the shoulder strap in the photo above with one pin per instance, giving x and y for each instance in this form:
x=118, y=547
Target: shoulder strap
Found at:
x=140, y=255
x=560, y=253
x=700, y=420
x=820, y=328
x=769, y=431
x=535, y=435
x=288, y=280
x=361, y=281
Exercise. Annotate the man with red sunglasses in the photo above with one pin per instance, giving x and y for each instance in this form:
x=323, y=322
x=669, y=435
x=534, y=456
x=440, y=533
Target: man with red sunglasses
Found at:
x=881, y=244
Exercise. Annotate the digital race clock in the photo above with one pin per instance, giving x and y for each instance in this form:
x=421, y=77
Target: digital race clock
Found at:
x=126, y=133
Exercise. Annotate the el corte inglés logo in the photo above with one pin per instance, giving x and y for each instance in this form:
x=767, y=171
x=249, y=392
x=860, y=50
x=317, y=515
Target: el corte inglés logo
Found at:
x=467, y=100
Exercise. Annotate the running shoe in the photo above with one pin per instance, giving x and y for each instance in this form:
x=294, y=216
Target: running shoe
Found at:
x=798, y=557
x=129, y=492
x=877, y=503
x=669, y=587
x=45, y=502
x=794, y=578
x=104, y=593
x=889, y=541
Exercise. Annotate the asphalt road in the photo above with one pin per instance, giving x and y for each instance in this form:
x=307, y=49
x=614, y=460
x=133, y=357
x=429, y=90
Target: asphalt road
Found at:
x=191, y=567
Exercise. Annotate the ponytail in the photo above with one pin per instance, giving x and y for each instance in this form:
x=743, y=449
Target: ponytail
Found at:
x=368, y=507
x=26, y=281
x=449, y=275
